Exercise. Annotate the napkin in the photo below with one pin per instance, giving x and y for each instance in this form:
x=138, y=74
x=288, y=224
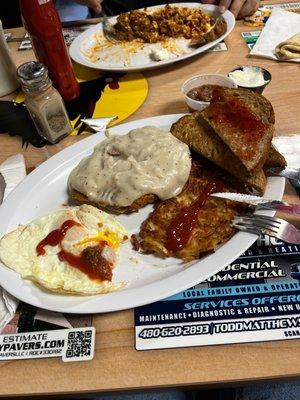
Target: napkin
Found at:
x=289, y=147
x=281, y=26
x=13, y=171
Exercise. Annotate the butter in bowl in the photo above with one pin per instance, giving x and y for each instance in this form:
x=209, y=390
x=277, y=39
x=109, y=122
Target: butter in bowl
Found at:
x=198, y=89
x=251, y=77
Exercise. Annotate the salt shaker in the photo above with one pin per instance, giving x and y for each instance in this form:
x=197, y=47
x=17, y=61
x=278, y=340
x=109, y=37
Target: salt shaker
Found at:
x=8, y=78
x=44, y=103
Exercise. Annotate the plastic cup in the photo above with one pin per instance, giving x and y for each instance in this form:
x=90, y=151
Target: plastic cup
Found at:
x=205, y=79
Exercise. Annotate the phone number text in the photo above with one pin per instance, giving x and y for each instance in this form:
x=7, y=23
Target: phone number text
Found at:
x=171, y=331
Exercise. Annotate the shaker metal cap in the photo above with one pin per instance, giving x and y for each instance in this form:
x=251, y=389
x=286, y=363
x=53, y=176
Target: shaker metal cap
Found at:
x=33, y=75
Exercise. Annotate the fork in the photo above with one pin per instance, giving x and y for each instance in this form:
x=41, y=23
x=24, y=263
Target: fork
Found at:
x=264, y=225
x=108, y=29
x=195, y=42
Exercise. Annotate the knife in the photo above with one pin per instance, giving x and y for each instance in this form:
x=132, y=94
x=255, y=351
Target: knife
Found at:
x=260, y=203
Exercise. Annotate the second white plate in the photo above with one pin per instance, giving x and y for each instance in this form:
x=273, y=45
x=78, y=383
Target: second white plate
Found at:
x=141, y=61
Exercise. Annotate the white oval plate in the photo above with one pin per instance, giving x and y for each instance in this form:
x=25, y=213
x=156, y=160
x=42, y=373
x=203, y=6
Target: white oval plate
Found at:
x=149, y=278
x=85, y=40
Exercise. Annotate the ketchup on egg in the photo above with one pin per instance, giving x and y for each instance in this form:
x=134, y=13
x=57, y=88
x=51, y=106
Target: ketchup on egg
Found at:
x=89, y=261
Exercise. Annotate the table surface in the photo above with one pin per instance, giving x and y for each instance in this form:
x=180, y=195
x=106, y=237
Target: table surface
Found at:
x=117, y=365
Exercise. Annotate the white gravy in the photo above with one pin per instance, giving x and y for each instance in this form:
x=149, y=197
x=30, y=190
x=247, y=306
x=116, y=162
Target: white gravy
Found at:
x=123, y=168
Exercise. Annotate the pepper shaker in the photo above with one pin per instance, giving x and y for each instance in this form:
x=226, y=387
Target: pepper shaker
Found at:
x=44, y=103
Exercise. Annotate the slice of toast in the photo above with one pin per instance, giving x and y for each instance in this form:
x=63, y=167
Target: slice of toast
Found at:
x=193, y=130
x=275, y=159
x=241, y=126
x=256, y=102
x=265, y=111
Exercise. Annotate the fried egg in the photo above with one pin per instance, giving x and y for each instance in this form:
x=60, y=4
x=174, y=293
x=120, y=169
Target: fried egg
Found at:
x=24, y=251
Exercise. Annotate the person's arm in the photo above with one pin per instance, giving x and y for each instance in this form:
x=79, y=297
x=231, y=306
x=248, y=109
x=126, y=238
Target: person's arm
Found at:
x=93, y=4
x=240, y=8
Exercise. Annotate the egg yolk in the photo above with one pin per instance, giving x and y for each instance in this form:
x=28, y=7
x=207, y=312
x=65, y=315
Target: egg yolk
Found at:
x=110, y=238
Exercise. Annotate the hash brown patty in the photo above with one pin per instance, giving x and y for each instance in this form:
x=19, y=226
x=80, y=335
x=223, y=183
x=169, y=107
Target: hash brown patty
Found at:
x=213, y=222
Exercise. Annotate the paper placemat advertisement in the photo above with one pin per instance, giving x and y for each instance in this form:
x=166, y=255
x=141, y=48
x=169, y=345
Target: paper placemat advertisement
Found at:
x=250, y=38
x=255, y=298
x=37, y=333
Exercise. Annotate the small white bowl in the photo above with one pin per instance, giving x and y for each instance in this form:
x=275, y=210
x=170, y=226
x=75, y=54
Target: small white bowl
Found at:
x=205, y=79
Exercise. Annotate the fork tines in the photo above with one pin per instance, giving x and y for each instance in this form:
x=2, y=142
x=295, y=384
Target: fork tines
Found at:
x=264, y=225
x=108, y=29
x=257, y=224
x=259, y=220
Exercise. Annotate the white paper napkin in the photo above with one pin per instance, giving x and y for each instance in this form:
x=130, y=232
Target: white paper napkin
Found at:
x=280, y=26
x=289, y=147
x=13, y=171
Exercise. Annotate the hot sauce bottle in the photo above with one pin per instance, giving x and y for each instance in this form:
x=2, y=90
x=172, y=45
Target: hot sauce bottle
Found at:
x=42, y=22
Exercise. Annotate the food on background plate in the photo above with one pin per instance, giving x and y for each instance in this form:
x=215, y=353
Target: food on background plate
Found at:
x=126, y=54
x=126, y=172
x=192, y=223
x=153, y=35
x=71, y=251
x=169, y=22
